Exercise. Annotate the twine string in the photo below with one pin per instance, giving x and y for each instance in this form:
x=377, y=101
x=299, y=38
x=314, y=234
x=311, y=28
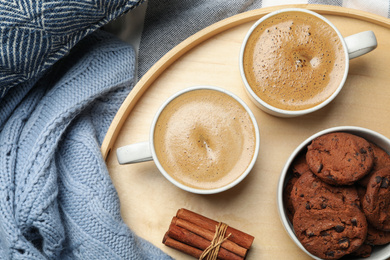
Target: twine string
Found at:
x=211, y=252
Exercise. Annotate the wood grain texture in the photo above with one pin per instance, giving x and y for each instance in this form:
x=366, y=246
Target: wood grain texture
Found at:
x=210, y=57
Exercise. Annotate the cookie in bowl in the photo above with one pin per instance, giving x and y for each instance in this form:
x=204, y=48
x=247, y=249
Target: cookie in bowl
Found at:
x=327, y=220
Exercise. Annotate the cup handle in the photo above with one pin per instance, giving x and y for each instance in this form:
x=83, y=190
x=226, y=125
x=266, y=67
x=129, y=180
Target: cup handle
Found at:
x=134, y=153
x=360, y=43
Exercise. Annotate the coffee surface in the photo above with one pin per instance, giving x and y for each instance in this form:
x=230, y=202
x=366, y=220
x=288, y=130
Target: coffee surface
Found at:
x=294, y=61
x=204, y=139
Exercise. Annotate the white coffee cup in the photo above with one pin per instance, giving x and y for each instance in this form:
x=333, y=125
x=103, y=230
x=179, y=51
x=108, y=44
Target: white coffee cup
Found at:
x=354, y=46
x=146, y=151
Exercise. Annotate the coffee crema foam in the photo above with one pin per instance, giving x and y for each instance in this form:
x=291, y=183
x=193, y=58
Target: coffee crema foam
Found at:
x=204, y=139
x=294, y=61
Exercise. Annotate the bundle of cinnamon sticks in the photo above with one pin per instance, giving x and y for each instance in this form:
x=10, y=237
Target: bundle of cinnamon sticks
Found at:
x=192, y=233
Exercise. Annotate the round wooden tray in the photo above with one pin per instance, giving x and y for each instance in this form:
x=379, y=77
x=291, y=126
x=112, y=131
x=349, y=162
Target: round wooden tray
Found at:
x=210, y=57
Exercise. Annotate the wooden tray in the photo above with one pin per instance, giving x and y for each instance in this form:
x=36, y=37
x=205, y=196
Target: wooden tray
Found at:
x=210, y=57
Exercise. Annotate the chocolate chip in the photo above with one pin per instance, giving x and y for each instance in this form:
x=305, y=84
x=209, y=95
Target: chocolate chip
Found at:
x=344, y=242
x=354, y=222
x=385, y=183
x=308, y=205
x=320, y=168
x=302, y=195
x=324, y=233
x=311, y=234
x=362, y=150
x=330, y=177
x=329, y=253
x=378, y=179
x=339, y=228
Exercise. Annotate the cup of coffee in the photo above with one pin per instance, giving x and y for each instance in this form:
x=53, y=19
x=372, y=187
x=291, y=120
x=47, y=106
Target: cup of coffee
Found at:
x=294, y=61
x=203, y=139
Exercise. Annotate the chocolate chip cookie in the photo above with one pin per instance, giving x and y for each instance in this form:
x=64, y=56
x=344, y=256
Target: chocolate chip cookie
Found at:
x=340, y=158
x=287, y=198
x=364, y=251
x=375, y=236
x=299, y=165
x=381, y=160
x=311, y=192
x=330, y=233
x=376, y=202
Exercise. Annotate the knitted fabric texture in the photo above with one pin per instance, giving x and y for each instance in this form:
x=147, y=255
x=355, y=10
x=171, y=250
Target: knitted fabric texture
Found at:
x=36, y=34
x=56, y=197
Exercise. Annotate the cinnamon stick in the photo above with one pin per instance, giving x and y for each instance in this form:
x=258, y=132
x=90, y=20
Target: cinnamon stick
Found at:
x=240, y=238
x=191, y=239
x=189, y=250
x=209, y=235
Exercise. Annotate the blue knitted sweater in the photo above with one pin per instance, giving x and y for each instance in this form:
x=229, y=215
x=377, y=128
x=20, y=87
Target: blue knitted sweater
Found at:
x=56, y=197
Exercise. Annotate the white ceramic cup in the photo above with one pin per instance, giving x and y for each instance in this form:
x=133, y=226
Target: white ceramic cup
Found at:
x=379, y=252
x=145, y=151
x=354, y=46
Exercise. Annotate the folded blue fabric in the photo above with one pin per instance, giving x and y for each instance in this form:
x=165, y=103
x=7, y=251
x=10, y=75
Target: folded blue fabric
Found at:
x=56, y=196
x=36, y=34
